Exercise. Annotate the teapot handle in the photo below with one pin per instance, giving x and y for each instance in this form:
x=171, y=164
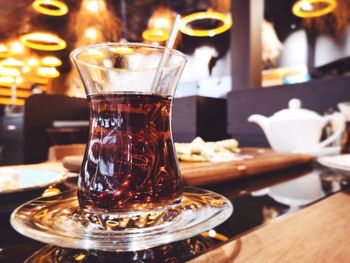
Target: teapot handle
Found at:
x=340, y=124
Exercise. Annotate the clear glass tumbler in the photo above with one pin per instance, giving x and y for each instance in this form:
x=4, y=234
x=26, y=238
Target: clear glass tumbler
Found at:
x=130, y=162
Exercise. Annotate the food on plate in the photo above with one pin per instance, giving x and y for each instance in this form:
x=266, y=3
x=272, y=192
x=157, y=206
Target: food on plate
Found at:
x=9, y=179
x=199, y=150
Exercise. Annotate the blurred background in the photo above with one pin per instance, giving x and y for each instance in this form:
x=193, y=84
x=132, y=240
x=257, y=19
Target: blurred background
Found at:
x=231, y=46
x=293, y=49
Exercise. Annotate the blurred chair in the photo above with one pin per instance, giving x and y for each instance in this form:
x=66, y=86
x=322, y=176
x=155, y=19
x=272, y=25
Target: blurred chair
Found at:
x=58, y=152
x=41, y=112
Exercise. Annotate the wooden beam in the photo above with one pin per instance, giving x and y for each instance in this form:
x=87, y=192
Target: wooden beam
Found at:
x=246, y=52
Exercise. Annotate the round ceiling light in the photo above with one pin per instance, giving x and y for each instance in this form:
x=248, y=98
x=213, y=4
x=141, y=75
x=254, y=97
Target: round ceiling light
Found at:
x=32, y=62
x=313, y=8
x=4, y=51
x=19, y=80
x=11, y=72
x=50, y=7
x=51, y=61
x=6, y=80
x=91, y=33
x=48, y=72
x=25, y=69
x=93, y=6
x=155, y=35
x=43, y=41
x=17, y=47
x=12, y=62
x=205, y=24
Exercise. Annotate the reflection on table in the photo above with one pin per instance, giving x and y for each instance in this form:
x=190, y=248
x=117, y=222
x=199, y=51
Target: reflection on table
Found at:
x=256, y=201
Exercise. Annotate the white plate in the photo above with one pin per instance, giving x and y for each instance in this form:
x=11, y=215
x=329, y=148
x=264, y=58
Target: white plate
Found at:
x=338, y=162
x=326, y=151
x=31, y=178
x=297, y=192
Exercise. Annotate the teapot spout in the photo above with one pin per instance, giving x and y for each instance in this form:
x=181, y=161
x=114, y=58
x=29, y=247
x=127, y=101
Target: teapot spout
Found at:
x=261, y=120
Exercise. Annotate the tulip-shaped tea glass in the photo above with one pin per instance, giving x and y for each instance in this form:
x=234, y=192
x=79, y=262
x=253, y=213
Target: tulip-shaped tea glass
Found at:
x=130, y=193
x=129, y=164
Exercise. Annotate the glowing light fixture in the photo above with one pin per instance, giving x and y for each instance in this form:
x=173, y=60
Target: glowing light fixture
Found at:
x=19, y=80
x=92, y=5
x=43, y=41
x=190, y=25
x=306, y=6
x=162, y=18
x=6, y=80
x=12, y=72
x=25, y=69
x=51, y=61
x=12, y=62
x=48, y=72
x=17, y=47
x=313, y=8
x=4, y=51
x=91, y=33
x=161, y=22
x=50, y=7
x=32, y=62
x=155, y=35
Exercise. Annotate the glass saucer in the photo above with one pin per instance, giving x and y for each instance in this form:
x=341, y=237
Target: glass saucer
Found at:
x=58, y=220
x=179, y=251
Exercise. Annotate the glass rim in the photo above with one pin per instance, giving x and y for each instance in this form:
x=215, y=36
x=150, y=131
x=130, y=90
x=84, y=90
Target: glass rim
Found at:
x=75, y=53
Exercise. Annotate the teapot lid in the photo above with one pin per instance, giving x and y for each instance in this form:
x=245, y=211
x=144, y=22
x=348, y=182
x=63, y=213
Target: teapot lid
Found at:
x=294, y=112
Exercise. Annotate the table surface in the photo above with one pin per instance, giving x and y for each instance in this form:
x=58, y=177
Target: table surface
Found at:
x=259, y=202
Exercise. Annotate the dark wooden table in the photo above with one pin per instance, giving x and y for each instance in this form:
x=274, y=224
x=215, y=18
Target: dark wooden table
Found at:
x=258, y=202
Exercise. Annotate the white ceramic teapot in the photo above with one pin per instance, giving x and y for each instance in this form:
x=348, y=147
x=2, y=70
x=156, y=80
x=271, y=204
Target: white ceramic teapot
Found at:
x=296, y=129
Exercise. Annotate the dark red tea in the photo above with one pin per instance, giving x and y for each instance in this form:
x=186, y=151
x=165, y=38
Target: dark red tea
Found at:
x=129, y=163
